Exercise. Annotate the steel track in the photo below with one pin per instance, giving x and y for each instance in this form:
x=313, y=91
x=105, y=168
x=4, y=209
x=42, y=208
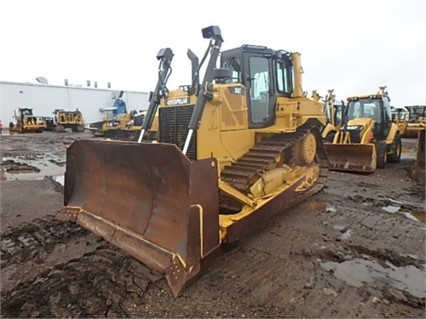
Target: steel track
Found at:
x=270, y=153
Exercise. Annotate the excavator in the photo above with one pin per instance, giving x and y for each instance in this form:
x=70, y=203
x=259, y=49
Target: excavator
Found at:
x=212, y=162
x=369, y=137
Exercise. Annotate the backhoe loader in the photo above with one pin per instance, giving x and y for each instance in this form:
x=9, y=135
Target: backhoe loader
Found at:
x=416, y=121
x=369, y=137
x=400, y=116
x=229, y=152
x=334, y=112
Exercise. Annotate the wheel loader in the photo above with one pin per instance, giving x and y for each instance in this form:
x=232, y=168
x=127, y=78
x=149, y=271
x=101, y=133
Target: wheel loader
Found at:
x=369, y=137
x=229, y=153
x=26, y=121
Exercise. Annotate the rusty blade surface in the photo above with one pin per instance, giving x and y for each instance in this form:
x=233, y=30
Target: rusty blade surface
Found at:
x=147, y=199
x=352, y=157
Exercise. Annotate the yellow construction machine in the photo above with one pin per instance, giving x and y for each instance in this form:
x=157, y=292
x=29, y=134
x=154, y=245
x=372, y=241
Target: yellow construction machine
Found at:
x=116, y=119
x=68, y=119
x=416, y=120
x=110, y=126
x=26, y=121
x=129, y=127
x=102, y=128
x=334, y=112
x=369, y=137
x=248, y=148
x=400, y=115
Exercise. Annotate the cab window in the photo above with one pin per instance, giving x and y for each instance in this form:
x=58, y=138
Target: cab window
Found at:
x=259, y=89
x=284, y=73
x=234, y=65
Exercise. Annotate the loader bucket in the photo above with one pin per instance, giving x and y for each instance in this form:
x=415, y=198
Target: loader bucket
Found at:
x=149, y=200
x=352, y=157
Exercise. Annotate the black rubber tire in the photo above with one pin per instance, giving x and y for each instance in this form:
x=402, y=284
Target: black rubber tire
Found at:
x=395, y=156
x=381, y=149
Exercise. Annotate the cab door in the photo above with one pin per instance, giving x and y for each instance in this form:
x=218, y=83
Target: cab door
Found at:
x=261, y=99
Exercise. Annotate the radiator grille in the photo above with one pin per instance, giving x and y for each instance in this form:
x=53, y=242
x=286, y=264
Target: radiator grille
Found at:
x=174, y=123
x=355, y=135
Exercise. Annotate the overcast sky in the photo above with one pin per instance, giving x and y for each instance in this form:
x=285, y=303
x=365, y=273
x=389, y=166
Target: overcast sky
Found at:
x=350, y=46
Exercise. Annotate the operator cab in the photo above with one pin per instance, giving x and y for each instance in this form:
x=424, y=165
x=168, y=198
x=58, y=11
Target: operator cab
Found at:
x=26, y=111
x=266, y=73
x=376, y=107
x=416, y=112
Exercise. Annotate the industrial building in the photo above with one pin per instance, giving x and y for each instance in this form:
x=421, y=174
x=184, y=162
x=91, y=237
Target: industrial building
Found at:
x=94, y=103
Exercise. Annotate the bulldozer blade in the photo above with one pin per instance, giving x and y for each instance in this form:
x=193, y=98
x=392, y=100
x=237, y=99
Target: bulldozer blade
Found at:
x=149, y=200
x=352, y=157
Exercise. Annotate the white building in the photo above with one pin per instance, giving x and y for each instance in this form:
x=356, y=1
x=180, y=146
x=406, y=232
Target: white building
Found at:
x=94, y=103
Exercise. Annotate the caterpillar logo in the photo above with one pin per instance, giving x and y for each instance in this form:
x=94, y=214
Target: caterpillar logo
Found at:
x=177, y=101
x=237, y=90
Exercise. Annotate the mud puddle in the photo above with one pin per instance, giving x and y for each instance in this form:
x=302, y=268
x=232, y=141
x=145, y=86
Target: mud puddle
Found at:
x=358, y=272
x=412, y=213
x=32, y=168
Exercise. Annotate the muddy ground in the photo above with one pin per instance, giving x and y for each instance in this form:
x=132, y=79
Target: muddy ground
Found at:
x=356, y=249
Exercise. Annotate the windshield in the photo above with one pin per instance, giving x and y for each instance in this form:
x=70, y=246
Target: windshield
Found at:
x=338, y=114
x=365, y=108
x=234, y=65
x=419, y=110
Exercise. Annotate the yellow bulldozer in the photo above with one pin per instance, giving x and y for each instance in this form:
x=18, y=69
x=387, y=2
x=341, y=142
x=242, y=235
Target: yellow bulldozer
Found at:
x=369, y=137
x=68, y=120
x=116, y=120
x=229, y=153
x=127, y=127
x=26, y=121
x=110, y=126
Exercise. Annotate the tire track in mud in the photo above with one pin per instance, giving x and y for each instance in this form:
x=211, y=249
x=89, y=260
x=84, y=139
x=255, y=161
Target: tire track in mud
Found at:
x=275, y=275
x=268, y=275
x=34, y=240
x=95, y=285
x=28, y=251
x=52, y=268
x=277, y=272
